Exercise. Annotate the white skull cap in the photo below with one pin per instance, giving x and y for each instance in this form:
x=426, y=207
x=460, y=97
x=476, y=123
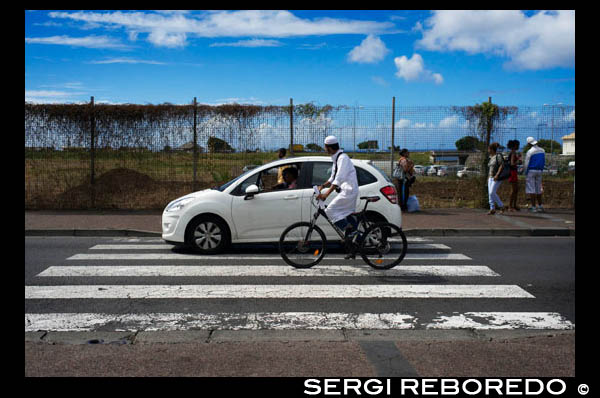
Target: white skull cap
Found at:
x=330, y=140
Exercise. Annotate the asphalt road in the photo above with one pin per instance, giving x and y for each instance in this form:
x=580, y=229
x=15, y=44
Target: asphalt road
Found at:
x=544, y=267
x=541, y=269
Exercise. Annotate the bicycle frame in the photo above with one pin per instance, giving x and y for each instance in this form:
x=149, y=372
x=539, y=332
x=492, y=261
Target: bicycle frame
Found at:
x=321, y=212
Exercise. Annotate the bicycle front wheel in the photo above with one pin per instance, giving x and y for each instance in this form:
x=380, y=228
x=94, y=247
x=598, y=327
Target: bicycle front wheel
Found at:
x=383, y=246
x=301, y=245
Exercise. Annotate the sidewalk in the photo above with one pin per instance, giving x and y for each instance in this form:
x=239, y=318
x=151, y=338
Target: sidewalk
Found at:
x=428, y=222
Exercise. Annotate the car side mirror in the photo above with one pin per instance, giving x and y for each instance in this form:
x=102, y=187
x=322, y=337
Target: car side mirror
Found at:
x=251, y=191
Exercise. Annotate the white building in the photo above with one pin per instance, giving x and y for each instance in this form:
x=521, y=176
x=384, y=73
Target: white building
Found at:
x=569, y=144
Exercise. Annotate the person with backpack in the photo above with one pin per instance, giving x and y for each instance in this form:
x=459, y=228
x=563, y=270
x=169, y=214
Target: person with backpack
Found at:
x=404, y=177
x=496, y=166
x=514, y=158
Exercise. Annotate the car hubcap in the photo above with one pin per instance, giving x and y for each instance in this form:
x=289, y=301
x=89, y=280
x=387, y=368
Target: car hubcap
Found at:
x=207, y=235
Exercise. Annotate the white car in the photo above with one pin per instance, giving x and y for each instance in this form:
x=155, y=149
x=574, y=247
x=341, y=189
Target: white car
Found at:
x=451, y=170
x=419, y=170
x=433, y=170
x=248, y=209
x=468, y=172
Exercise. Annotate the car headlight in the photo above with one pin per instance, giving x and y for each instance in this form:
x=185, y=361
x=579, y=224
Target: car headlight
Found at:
x=178, y=204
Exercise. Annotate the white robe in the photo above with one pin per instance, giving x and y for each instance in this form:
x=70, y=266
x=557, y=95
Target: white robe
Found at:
x=344, y=203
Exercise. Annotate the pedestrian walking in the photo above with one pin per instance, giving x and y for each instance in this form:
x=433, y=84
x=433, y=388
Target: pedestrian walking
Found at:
x=515, y=159
x=495, y=165
x=533, y=169
x=281, y=155
x=404, y=177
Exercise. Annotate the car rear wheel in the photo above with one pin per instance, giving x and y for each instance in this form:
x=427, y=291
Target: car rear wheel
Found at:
x=207, y=235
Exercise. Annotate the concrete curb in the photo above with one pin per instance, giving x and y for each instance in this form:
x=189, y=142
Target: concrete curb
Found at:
x=90, y=232
x=409, y=232
x=221, y=336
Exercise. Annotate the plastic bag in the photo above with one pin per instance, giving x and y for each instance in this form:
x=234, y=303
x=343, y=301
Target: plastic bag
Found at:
x=412, y=204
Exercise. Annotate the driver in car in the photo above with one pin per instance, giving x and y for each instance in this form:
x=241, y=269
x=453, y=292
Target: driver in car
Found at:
x=290, y=177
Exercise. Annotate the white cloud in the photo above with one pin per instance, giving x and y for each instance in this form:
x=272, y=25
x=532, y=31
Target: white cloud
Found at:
x=450, y=121
x=127, y=61
x=51, y=97
x=541, y=41
x=164, y=38
x=312, y=46
x=88, y=41
x=402, y=124
x=370, y=50
x=413, y=69
x=250, y=43
x=171, y=28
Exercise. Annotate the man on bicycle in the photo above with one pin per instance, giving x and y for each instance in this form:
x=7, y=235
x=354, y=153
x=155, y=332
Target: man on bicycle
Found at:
x=343, y=180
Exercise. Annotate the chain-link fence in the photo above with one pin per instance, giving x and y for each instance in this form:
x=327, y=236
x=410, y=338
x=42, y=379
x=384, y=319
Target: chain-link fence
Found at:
x=143, y=156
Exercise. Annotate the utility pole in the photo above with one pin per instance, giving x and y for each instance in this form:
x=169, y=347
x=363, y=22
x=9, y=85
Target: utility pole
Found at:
x=291, y=127
x=195, y=147
x=92, y=151
x=552, y=137
x=354, y=128
x=392, y=148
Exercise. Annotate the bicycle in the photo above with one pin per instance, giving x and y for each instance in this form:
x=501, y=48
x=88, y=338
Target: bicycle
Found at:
x=303, y=244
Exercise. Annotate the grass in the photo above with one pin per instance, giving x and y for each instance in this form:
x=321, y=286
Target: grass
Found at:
x=61, y=179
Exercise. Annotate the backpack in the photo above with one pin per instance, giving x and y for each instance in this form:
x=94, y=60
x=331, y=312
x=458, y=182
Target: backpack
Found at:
x=505, y=173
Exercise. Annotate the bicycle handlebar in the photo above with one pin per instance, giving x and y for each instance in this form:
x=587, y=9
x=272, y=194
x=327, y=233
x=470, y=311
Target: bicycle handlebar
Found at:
x=321, y=203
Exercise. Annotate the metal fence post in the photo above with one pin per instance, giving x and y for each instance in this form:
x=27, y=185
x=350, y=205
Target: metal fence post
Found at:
x=392, y=146
x=92, y=152
x=195, y=166
x=291, y=126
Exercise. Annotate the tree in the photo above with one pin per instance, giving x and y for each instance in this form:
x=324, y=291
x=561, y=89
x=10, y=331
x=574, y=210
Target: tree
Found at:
x=469, y=143
x=368, y=145
x=484, y=119
x=547, y=145
x=217, y=145
x=314, y=148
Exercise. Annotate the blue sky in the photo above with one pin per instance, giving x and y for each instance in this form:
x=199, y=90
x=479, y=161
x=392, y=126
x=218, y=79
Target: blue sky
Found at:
x=326, y=57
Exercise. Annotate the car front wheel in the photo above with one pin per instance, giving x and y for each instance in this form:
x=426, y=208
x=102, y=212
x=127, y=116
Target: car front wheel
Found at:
x=208, y=235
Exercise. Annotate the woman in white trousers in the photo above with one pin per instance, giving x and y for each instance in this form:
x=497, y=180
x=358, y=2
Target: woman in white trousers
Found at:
x=495, y=167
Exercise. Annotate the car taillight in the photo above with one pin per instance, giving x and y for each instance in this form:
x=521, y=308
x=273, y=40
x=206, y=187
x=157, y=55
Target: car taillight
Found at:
x=390, y=193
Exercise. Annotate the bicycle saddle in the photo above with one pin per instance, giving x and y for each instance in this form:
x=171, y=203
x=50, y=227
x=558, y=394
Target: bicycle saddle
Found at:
x=370, y=198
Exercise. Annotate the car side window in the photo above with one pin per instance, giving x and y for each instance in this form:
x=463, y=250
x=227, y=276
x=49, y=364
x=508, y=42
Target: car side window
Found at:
x=267, y=180
x=321, y=171
x=364, y=177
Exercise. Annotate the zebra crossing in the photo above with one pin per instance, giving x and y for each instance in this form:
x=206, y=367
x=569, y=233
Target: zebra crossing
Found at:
x=122, y=256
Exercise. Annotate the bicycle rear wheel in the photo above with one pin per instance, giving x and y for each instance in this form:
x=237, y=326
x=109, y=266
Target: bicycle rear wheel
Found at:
x=383, y=246
x=301, y=245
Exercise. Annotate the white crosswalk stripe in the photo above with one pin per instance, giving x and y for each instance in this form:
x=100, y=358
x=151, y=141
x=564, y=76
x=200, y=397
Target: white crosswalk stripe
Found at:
x=264, y=270
x=273, y=291
x=291, y=320
x=418, y=246
x=191, y=256
x=232, y=266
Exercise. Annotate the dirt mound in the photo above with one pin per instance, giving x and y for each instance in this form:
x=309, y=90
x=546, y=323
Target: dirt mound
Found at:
x=116, y=180
x=116, y=188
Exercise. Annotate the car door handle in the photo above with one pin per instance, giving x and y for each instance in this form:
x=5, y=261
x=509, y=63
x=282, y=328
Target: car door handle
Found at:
x=291, y=197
